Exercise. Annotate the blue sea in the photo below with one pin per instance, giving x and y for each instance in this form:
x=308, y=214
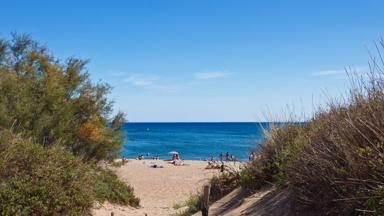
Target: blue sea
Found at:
x=193, y=141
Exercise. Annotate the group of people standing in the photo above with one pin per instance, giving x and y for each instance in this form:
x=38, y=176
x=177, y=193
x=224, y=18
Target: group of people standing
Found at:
x=228, y=157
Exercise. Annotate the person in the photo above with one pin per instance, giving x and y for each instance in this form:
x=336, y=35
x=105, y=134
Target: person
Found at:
x=234, y=159
x=212, y=159
x=222, y=167
x=221, y=156
x=212, y=165
x=227, y=156
x=123, y=160
x=250, y=157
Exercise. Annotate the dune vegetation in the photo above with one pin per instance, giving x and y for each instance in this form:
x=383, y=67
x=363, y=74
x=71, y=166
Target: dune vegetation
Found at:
x=55, y=126
x=332, y=164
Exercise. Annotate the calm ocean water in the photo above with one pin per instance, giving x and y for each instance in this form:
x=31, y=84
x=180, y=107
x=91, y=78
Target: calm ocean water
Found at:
x=194, y=141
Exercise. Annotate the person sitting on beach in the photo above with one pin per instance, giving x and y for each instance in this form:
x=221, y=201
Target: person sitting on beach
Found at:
x=177, y=163
x=212, y=165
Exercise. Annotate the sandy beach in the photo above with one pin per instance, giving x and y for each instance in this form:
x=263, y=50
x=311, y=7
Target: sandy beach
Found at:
x=159, y=189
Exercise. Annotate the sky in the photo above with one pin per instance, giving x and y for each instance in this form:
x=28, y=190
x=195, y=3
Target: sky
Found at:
x=208, y=60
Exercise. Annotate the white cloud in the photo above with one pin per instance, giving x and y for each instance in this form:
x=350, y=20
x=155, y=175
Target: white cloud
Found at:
x=149, y=82
x=341, y=72
x=211, y=75
x=329, y=72
x=137, y=80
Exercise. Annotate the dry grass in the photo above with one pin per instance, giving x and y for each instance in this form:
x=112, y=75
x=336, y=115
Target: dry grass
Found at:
x=334, y=164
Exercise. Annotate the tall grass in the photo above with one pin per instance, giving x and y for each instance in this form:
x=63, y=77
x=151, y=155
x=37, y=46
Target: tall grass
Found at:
x=282, y=145
x=334, y=163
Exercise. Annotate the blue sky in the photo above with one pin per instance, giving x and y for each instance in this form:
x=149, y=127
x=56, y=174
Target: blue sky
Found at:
x=207, y=60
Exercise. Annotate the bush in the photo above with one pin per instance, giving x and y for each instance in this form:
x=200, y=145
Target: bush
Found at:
x=60, y=119
x=54, y=101
x=341, y=170
x=50, y=181
x=282, y=145
x=39, y=181
x=223, y=184
x=333, y=164
x=193, y=205
x=108, y=187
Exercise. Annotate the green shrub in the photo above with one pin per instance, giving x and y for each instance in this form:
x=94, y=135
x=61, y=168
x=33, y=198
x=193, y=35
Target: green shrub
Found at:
x=39, y=181
x=108, y=187
x=50, y=181
x=193, y=205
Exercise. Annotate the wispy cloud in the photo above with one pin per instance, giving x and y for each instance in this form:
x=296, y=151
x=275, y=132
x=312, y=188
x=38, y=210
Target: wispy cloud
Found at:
x=137, y=80
x=149, y=82
x=329, y=72
x=211, y=75
x=340, y=73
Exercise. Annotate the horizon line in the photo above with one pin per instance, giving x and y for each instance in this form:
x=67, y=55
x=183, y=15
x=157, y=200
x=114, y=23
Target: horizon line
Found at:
x=210, y=121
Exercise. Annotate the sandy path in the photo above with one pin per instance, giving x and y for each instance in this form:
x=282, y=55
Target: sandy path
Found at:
x=161, y=188
x=265, y=202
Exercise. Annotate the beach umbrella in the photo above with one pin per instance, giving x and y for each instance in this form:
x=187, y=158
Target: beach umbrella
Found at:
x=173, y=152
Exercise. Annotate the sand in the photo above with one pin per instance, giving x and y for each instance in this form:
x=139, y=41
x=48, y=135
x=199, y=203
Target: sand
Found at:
x=267, y=201
x=159, y=189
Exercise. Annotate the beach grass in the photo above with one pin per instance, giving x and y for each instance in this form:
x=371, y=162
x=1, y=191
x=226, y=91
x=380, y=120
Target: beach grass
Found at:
x=192, y=206
x=334, y=163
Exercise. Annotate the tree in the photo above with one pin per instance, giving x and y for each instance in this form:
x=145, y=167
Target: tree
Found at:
x=54, y=101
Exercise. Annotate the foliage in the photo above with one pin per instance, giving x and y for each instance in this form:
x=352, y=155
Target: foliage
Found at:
x=340, y=171
x=54, y=126
x=40, y=181
x=222, y=184
x=109, y=188
x=333, y=164
x=50, y=181
x=55, y=102
x=282, y=145
x=193, y=205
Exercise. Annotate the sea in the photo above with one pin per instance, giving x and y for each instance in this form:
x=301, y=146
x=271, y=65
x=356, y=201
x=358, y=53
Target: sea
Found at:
x=193, y=141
